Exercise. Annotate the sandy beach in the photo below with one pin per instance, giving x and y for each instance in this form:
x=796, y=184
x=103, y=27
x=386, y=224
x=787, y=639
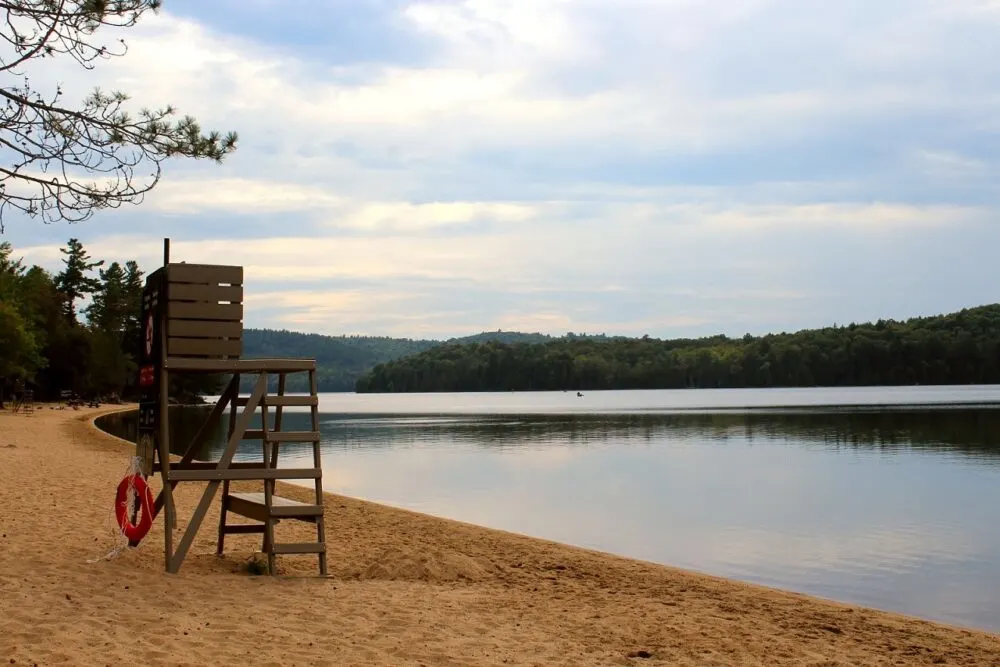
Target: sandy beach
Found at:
x=405, y=589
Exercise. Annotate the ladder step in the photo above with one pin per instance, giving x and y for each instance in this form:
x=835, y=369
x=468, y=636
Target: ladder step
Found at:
x=291, y=401
x=242, y=529
x=299, y=548
x=241, y=473
x=253, y=506
x=291, y=511
x=283, y=401
x=281, y=436
x=293, y=436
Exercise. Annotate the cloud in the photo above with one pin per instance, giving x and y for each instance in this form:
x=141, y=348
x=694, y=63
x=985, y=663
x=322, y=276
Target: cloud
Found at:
x=670, y=167
x=864, y=216
x=950, y=165
x=238, y=196
x=409, y=216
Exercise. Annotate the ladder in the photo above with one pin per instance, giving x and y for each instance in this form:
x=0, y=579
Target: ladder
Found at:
x=265, y=507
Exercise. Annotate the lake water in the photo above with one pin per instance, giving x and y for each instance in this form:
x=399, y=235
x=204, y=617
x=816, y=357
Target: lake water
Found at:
x=884, y=497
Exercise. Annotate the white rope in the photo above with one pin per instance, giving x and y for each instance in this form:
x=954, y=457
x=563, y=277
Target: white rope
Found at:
x=117, y=538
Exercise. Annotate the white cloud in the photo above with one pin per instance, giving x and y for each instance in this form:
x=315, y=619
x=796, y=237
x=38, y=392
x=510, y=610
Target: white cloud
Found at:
x=495, y=30
x=673, y=150
x=572, y=244
x=949, y=164
x=238, y=195
x=306, y=308
x=408, y=216
x=461, y=102
x=876, y=217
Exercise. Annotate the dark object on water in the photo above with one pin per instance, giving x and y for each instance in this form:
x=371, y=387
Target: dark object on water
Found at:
x=579, y=395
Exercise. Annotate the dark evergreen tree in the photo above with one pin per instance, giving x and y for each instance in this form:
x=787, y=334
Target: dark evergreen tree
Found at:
x=19, y=353
x=132, y=341
x=74, y=282
x=109, y=309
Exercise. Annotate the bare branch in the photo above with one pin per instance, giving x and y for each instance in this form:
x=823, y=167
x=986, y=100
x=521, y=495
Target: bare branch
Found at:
x=50, y=149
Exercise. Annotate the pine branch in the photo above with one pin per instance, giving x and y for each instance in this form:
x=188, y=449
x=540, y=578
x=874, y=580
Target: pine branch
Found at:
x=53, y=150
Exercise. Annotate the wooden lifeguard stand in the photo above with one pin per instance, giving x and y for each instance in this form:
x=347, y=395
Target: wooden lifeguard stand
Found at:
x=192, y=317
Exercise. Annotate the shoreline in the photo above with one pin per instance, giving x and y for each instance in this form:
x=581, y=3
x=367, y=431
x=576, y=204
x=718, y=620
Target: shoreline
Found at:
x=597, y=552
x=405, y=588
x=124, y=409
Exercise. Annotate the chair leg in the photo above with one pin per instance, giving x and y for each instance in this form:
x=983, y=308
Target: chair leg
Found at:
x=222, y=517
x=318, y=464
x=233, y=410
x=269, y=546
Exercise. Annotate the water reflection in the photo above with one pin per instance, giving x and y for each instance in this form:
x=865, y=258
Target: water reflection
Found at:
x=891, y=508
x=959, y=431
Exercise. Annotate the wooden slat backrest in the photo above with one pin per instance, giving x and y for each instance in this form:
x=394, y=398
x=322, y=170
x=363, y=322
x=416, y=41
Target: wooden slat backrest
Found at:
x=205, y=274
x=213, y=293
x=203, y=347
x=205, y=329
x=204, y=311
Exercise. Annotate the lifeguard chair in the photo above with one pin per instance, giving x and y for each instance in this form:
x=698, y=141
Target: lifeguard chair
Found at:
x=193, y=323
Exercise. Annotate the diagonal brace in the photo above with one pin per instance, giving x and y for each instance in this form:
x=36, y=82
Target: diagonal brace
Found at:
x=199, y=439
x=227, y=456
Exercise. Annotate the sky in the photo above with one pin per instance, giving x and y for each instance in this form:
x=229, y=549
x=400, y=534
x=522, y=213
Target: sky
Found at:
x=437, y=168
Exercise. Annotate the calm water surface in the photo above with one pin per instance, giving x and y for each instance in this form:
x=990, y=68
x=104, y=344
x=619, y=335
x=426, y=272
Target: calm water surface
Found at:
x=885, y=497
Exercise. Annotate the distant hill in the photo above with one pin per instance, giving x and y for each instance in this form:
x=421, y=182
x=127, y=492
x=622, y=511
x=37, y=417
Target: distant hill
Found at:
x=508, y=337
x=512, y=337
x=341, y=360
x=958, y=348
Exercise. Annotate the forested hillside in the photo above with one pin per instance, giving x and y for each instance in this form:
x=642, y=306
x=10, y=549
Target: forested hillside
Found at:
x=959, y=348
x=511, y=337
x=340, y=360
x=78, y=330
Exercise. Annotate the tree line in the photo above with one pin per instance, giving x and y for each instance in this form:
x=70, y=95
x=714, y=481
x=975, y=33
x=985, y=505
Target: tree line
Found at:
x=341, y=360
x=958, y=348
x=49, y=344
x=78, y=330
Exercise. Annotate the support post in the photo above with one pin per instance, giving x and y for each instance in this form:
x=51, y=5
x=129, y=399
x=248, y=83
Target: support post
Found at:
x=318, y=464
x=171, y=518
x=268, y=485
x=234, y=386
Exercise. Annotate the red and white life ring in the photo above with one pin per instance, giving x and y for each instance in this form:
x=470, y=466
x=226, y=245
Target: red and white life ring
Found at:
x=134, y=532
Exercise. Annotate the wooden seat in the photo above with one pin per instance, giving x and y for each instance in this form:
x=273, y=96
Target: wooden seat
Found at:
x=208, y=365
x=254, y=506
